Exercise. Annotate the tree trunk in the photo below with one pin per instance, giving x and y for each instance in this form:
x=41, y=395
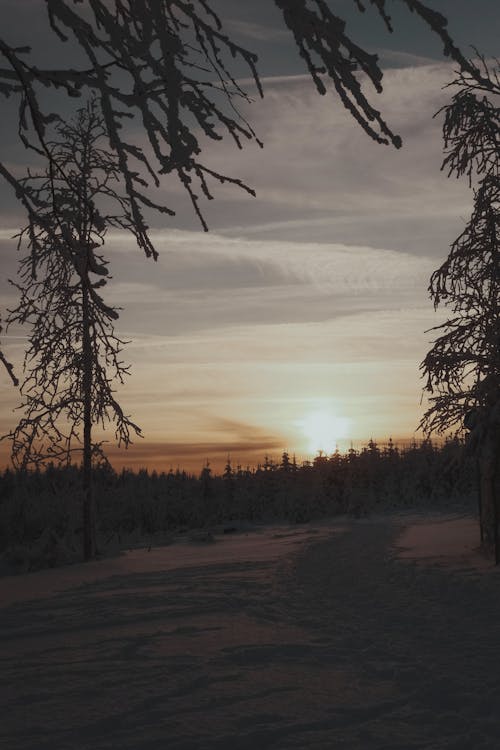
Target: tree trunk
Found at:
x=489, y=497
x=479, y=500
x=496, y=498
x=88, y=504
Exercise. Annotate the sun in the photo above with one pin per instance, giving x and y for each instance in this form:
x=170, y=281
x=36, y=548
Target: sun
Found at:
x=323, y=430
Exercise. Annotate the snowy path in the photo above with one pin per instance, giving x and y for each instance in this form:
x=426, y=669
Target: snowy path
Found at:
x=258, y=641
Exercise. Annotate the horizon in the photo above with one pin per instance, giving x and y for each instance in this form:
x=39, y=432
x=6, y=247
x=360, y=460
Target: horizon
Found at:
x=162, y=458
x=218, y=459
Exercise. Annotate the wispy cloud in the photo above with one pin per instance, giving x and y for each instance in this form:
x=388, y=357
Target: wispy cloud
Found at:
x=253, y=30
x=289, y=282
x=322, y=174
x=401, y=59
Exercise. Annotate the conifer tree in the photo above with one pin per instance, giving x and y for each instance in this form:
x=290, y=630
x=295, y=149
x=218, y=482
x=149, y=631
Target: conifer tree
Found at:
x=462, y=369
x=285, y=464
x=74, y=357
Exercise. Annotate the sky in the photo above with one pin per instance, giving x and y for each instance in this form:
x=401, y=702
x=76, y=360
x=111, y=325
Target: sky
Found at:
x=299, y=320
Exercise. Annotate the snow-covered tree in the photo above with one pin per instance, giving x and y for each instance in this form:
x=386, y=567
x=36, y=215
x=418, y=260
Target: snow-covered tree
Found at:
x=73, y=358
x=463, y=367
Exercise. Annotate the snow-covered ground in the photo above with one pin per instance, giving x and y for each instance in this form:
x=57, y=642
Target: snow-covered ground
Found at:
x=451, y=542
x=252, y=543
x=378, y=633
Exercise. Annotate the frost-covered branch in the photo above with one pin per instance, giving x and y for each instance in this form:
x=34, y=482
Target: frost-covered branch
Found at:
x=462, y=369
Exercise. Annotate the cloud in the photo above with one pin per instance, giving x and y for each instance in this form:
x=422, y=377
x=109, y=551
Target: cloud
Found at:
x=400, y=59
x=222, y=437
x=235, y=281
x=318, y=165
x=253, y=30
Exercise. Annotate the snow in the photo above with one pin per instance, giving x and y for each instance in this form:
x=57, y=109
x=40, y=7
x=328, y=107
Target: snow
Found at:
x=350, y=634
x=451, y=542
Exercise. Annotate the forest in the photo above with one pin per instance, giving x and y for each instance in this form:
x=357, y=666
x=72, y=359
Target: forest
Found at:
x=40, y=511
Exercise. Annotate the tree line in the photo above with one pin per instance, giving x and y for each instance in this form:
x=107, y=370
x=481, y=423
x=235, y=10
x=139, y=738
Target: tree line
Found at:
x=40, y=515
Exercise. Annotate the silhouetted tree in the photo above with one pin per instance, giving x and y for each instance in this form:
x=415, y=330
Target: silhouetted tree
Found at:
x=463, y=366
x=285, y=464
x=228, y=474
x=228, y=481
x=206, y=482
x=73, y=358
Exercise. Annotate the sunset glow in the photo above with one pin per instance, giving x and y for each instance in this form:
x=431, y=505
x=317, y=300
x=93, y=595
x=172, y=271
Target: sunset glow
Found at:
x=323, y=430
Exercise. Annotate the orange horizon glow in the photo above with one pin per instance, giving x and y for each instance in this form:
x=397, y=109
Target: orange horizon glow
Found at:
x=192, y=458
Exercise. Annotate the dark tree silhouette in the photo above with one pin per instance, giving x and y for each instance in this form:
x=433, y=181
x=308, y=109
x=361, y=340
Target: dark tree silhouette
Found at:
x=73, y=358
x=463, y=366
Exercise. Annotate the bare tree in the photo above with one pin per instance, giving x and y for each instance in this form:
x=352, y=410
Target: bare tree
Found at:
x=73, y=358
x=463, y=366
